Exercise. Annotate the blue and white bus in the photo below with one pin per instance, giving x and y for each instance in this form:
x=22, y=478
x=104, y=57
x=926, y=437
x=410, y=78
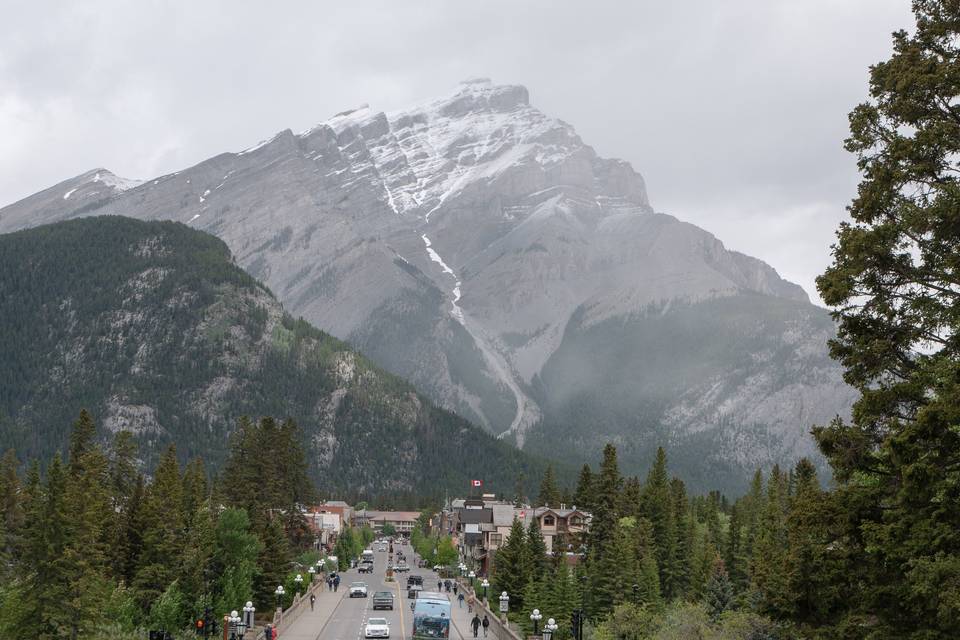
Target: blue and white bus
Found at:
x=431, y=615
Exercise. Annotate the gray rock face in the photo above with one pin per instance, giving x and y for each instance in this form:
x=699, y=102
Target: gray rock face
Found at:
x=455, y=242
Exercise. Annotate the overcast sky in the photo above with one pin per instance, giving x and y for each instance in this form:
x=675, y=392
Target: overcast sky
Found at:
x=733, y=111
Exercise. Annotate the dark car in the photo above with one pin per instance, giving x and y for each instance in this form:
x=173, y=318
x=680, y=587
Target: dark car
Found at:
x=383, y=600
x=366, y=567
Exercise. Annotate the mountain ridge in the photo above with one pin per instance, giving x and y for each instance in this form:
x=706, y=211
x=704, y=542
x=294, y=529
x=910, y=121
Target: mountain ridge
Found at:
x=454, y=241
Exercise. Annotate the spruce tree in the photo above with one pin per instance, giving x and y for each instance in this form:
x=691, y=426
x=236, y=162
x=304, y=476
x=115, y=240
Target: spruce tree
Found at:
x=536, y=551
x=585, y=492
x=657, y=506
x=163, y=525
x=719, y=591
x=602, y=538
x=893, y=285
x=549, y=495
x=510, y=564
x=11, y=511
x=768, y=571
x=275, y=557
x=89, y=502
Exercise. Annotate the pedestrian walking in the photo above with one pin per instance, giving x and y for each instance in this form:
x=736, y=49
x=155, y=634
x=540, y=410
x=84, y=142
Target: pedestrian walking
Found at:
x=475, y=623
x=460, y=600
x=470, y=601
x=336, y=583
x=313, y=599
x=486, y=625
x=439, y=585
x=454, y=588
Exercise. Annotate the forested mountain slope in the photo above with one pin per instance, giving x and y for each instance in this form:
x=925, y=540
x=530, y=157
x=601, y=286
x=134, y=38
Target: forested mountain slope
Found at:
x=154, y=329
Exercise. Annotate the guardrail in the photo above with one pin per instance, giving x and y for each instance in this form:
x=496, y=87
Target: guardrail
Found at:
x=499, y=628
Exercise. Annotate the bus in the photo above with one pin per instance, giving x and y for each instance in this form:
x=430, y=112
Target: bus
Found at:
x=367, y=556
x=431, y=615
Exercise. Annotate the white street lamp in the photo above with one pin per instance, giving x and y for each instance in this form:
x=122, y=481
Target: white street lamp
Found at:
x=299, y=583
x=279, y=593
x=549, y=628
x=485, y=584
x=536, y=617
x=248, y=611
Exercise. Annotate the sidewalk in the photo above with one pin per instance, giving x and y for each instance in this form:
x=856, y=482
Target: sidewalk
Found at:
x=461, y=617
x=308, y=624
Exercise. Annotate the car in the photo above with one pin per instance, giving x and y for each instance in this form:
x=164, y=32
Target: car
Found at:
x=414, y=579
x=358, y=589
x=383, y=600
x=376, y=628
x=366, y=567
x=413, y=589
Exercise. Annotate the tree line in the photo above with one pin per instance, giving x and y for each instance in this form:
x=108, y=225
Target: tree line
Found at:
x=93, y=548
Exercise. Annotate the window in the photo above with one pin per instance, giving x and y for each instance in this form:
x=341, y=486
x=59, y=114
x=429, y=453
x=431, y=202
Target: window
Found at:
x=575, y=520
x=496, y=539
x=548, y=521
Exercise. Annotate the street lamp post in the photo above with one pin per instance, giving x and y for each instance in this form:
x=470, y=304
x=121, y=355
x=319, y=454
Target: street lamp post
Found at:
x=279, y=593
x=536, y=617
x=299, y=582
x=248, y=617
x=312, y=573
x=234, y=621
x=549, y=628
x=472, y=575
x=485, y=584
x=636, y=593
x=504, y=606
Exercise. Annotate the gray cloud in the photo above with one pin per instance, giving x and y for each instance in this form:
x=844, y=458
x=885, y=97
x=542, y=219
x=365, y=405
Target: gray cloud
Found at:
x=733, y=111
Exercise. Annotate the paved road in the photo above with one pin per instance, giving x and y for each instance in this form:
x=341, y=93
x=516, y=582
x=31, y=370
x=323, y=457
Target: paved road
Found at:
x=336, y=616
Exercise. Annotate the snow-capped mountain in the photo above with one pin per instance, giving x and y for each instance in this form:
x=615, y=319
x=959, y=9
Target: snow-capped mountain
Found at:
x=482, y=250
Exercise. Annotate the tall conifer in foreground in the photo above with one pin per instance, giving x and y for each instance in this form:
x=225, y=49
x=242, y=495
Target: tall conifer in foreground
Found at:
x=895, y=289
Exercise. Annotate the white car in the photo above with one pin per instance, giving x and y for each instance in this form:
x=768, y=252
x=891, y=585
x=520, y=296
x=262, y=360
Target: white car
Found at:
x=358, y=589
x=377, y=628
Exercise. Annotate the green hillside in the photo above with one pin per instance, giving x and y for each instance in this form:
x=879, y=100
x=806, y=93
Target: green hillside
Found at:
x=154, y=329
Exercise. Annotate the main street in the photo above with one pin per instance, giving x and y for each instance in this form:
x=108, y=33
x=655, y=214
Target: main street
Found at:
x=337, y=616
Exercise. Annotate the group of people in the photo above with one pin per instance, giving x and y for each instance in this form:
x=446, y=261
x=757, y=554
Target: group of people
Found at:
x=333, y=582
x=476, y=623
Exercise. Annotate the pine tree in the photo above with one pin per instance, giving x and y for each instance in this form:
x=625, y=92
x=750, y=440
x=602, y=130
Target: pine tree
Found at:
x=510, y=567
x=894, y=287
x=768, y=571
x=163, y=525
x=549, y=493
x=46, y=531
x=719, y=591
x=89, y=502
x=816, y=575
x=630, y=498
x=584, y=495
x=11, y=511
x=684, y=557
x=275, y=557
x=536, y=551
x=198, y=573
x=518, y=494
x=733, y=555
x=236, y=552
x=657, y=506
x=602, y=538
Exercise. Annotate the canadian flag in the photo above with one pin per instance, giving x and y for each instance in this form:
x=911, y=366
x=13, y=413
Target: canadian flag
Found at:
x=476, y=483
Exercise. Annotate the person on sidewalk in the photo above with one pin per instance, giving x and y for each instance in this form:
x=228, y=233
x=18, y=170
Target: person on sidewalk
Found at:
x=470, y=601
x=486, y=625
x=460, y=600
x=313, y=599
x=455, y=588
x=475, y=623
